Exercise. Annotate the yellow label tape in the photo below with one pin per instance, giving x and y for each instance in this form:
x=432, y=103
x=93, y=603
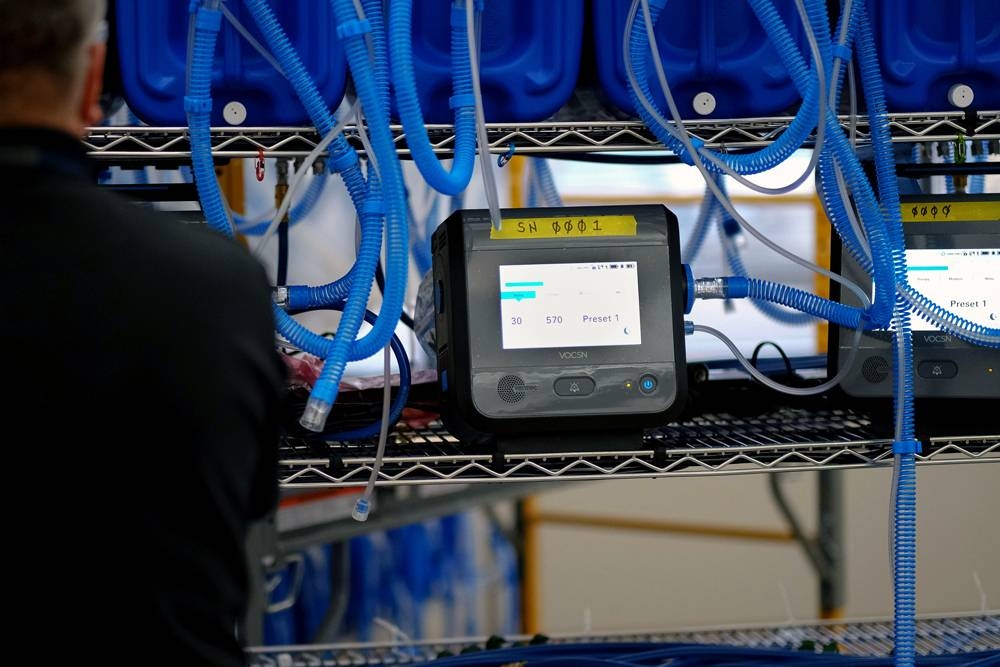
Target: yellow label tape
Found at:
x=951, y=211
x=565, y=227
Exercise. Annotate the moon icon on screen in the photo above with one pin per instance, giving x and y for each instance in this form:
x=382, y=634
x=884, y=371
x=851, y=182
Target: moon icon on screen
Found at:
x=626, y=331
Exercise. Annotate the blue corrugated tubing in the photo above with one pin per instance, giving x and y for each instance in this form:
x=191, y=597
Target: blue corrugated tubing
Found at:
x=547, y=183
x=977, y=182
x=297, y=214
x=198, y=106
x=352, y=31
x=421, y=243
x=708, y=213
x=343, y=159
x=838, y=145
x=462, y=101
x=751, y=163
x=379, y=48
x=764, y=306
x=765, y=290
x=948, y=322
x=806, y=82
x=905, y=498
x=402, y=394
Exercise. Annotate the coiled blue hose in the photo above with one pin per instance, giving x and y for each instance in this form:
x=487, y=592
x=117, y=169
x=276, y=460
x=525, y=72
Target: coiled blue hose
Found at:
x=837, y=144
x=752, y=163
x=351, y=29
x=343, y=159
x=948, y=322
x=398, y=402
x=404, y=82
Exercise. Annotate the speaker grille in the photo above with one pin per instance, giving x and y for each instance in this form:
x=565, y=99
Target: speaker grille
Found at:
x=875, y=369
x=511, y=388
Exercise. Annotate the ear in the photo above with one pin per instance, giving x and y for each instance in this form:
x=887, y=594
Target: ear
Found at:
x=90, y=108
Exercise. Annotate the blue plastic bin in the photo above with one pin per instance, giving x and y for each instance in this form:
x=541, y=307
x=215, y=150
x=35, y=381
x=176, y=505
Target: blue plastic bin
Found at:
x=928, y=46
x=530, y=57
x=153, y=37
x=712, y=46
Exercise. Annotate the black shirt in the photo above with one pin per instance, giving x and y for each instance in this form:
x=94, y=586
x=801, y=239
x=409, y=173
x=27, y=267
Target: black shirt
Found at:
x=142, y=383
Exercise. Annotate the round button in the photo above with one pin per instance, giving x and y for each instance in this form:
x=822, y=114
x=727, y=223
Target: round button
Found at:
x=647, y=384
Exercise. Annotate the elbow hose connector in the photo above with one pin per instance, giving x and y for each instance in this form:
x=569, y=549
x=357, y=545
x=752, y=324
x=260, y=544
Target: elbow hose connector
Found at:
x=737, y=287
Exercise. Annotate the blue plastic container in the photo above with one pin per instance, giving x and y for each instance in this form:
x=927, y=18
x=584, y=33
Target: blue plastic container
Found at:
x=530, y=57
x=153, y=37
x=928, y=46
x=707, y=46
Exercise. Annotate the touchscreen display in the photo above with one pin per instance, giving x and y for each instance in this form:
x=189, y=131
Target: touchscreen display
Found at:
x=964, y=281
x=569, y=305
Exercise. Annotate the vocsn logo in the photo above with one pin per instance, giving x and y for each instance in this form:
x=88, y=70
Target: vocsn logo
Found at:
x=937, y=338
x=573, y=354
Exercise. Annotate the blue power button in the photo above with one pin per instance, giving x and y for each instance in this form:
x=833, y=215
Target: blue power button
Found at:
x=647, y=384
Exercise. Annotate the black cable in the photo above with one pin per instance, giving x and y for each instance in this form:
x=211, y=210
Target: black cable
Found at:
x=340, y=591
x=282, y=275
x=784, y=357
x=811, y=549
x=380, y=281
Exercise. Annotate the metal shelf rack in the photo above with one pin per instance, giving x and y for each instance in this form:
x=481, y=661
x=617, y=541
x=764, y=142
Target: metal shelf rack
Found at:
x=145, y=144
x=785, y=440
x=935, y=636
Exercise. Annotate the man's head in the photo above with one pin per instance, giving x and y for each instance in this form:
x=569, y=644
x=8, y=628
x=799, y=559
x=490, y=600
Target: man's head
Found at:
x=51, y=63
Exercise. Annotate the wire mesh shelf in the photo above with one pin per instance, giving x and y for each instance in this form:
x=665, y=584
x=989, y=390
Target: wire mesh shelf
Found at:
x=145, y=144
x=784, y=440
x=938, y=635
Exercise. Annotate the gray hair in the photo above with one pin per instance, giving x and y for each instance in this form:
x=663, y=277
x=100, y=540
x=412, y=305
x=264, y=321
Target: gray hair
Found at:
x=48, y=35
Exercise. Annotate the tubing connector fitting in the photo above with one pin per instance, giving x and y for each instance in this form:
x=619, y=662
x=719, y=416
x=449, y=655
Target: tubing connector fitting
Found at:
x=280, y=297
x=711, y=288
x=361, y=509
x=314, y=416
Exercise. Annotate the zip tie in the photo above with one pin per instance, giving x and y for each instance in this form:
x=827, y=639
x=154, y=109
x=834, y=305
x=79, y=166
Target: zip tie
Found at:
x=842, y=51
x=906, y=447
x=343, y=161
x=353, y=28
x=373, y=206
x=209, y=20
x=461, y=101
x=197, y=104
x=504, y=158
